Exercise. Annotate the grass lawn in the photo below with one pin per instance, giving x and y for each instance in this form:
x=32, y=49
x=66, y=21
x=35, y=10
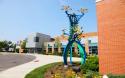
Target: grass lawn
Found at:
x=39, y=72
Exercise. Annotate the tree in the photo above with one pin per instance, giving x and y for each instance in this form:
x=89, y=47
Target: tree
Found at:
x=58, y=43
x=6, y=45
x=23, y=44
x=1, y=45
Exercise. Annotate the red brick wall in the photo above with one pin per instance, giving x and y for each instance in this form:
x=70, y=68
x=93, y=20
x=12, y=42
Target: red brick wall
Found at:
x=111, y=34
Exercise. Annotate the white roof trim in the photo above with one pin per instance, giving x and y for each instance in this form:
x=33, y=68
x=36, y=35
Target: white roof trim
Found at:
x=98, y=0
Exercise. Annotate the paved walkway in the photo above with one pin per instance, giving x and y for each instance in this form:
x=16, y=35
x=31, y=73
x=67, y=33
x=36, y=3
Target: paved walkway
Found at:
x=22, y=70
x=11, y=60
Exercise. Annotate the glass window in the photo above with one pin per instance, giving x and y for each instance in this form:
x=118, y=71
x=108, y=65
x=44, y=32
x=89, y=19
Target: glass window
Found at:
x=89, y=41
x=93, y=50
x=36, y=39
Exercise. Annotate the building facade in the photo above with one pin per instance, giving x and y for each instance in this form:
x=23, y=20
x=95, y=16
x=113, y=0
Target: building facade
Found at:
x=111, y=35
x=89, y=41
x=35, y=42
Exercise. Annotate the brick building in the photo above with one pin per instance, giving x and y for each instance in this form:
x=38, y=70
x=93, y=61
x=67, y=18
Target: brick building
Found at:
x=111, y=35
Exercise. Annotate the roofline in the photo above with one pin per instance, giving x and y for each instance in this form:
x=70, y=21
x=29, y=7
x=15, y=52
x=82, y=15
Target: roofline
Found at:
x=98, y=1
x=90, y=34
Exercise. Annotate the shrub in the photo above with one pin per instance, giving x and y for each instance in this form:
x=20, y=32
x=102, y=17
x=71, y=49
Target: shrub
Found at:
x=58, y=53
x=43, y=52
x=91, y=64
x=92, y=74
x=116, y=76
x=17, y=50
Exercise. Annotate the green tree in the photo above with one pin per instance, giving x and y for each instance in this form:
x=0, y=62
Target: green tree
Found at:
x=58, y=44
x=1, y=45
x=6, y=45
x=23, y=44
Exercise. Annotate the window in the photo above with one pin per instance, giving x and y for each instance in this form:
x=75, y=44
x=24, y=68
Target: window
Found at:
x=93, y=50
x=54, y=45
x=36, y=39
x=89, y=41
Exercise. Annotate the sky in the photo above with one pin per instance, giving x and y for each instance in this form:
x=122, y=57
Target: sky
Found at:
x=19, y=18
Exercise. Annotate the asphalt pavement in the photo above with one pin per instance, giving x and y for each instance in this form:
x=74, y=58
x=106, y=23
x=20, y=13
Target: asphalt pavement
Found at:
x=9, y=60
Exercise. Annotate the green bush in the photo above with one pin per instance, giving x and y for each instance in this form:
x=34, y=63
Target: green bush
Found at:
x=17, y=50
x=116, y=76
x=43, y=52
x=91, y=74
x=58, y=53
x=91, y=64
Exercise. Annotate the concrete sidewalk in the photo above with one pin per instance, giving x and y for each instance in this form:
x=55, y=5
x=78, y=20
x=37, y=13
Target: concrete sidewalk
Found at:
x=22, y=70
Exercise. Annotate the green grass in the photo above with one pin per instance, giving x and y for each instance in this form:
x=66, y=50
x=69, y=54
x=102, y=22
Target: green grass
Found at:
x=39, y=72
x=116, y=76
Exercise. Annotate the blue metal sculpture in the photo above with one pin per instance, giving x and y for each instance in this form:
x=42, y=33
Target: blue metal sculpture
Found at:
x=74, y=36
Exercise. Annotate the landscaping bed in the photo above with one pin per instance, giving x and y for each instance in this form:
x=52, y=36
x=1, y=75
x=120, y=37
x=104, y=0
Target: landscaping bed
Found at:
x=57, y=70
x=72, y=71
